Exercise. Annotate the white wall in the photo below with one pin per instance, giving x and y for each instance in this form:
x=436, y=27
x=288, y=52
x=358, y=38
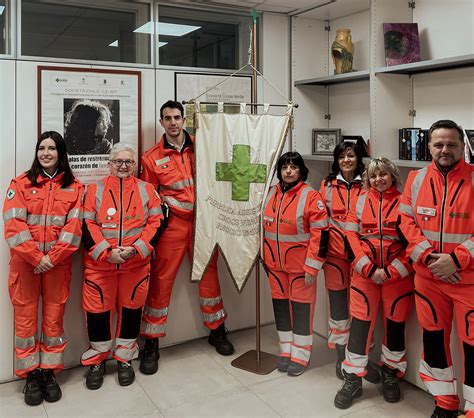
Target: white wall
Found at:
x=18, y=124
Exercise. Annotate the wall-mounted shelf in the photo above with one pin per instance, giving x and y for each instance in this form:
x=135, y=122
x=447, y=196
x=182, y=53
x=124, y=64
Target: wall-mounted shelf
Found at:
x=335, y=79
x=430, y=65
x=410, y=163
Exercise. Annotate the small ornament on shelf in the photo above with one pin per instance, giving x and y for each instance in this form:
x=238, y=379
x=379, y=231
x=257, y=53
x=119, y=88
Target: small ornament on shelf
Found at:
x=402, y=43
x=342, y=50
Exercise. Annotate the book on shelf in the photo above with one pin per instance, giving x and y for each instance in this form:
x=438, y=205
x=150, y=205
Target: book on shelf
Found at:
x=413, y=144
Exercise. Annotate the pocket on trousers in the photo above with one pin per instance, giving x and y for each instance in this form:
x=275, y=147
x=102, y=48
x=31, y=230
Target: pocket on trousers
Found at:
x=14, y=289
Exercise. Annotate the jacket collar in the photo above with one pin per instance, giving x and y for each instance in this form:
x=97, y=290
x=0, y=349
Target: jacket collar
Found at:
x=187, y=142
x=459, y=166
x=386, y=194
x=292, y=189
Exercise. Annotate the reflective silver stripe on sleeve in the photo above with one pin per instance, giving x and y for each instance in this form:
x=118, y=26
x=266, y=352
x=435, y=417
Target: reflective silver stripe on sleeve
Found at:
x=52, y=359
x=69, y=238
x=400, y=267
x=28, y=362
x=300, y=209
x=54, y=341
x=469, y=245
x=144, y=197
x=75, y=213
x=210, y=301
x=152, y=329
x=14, y=213
x=178, y=185
x=24, y=343
x=142, y=247
x=178, y=204
x=447, y=238
x=155, y=313
x=361, y=263
x=18, y=239
x=360, y=206
x=99, y=248
x=328, y=197
x=351, y=226
x=407, y=210
x=214, y=317
x=314, y=263
x=287, y=238
x=89, y=215
x=319, y=224
x=416, y=185
x=419, y=249
x=156, y=211
x=98, y=195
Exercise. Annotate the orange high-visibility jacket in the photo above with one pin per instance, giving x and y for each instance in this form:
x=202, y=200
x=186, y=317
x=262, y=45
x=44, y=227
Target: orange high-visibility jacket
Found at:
x=295, y=230
x=43, y=219
x=437, y=216
x=371, y=229
x=120, y=212
x=172, y=173
x=337, y=195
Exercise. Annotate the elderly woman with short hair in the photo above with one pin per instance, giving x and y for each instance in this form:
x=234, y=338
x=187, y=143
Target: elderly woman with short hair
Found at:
x=122, y=215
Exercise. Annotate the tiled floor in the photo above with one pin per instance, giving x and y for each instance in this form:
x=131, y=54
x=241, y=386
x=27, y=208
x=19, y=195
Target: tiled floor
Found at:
x=193, y=380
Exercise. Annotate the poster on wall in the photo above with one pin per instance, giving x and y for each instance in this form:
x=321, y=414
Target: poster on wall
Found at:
x=235, y=89
x=93, y=110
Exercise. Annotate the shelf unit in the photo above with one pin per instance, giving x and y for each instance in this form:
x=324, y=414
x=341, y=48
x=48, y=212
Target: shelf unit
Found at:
x=335, y=79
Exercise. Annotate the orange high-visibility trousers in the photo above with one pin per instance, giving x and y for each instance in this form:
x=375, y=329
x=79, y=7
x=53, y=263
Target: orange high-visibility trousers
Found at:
x=25, y=288
x=176, y=240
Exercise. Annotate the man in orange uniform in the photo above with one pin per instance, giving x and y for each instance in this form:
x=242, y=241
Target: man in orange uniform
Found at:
x=438, y=222
x=169, y=166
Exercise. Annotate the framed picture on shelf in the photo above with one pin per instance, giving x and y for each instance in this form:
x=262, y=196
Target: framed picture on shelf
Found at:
x=325, y=140
x=402, y=43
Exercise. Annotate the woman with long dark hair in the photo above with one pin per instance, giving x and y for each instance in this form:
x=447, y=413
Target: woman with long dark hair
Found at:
x=294, y=248
x=42, y=215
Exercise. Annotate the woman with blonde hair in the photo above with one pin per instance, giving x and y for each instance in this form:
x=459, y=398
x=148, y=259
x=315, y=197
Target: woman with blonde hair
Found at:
x=381, y=272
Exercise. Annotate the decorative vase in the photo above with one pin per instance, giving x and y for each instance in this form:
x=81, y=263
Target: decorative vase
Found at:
x=342, y=50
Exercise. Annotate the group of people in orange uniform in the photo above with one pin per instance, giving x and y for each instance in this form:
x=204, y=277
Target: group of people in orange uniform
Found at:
x=375, y=244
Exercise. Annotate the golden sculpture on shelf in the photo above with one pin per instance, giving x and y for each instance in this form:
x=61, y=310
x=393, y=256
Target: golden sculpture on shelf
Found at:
x=342, y=51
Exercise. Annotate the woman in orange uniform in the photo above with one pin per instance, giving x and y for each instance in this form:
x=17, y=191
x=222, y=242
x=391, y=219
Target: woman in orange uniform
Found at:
x=381, y=272
x=42, y=215
x=294, y=248
x=342, y=186
x=121, y=217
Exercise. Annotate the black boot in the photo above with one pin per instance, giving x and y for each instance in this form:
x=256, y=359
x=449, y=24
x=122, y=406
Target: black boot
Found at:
x=350, y=390
x=49, y=386
x=444, y=413
x=32, y=389
x=373, y=375
x=341, y=356
x=218, y=339
x=150, y=356
x=126, y=374
x=295, y=369
x=390, y=387
x=95, y=376
x=283, y=363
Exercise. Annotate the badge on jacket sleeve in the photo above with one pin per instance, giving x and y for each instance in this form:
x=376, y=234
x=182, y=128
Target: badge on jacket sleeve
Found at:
x=10, y=194
x=320, y=205
x=420, y=210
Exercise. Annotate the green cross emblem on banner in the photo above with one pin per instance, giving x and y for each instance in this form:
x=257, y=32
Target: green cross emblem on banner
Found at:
x=241, y=172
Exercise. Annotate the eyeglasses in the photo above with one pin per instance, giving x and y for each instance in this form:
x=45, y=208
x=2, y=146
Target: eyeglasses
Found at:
x=118, y=163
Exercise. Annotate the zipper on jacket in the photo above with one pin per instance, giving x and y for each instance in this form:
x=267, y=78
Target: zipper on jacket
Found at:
x=381, y=232
x=121, y=215
x=46, y=214
x=445, y=176
x=277, y=229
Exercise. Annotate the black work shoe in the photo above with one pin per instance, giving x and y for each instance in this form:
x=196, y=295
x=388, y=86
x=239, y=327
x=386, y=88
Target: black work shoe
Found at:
x=390, y=387
x=295, y=369
x=150, y=356
x=32, y=389
x=49, y=387
x=95, y=376
x=444, y=413
x=373, y=375
x=350, y=390
x=341, y=356
x=282, y=363
x=218, y=339
x=126, y=374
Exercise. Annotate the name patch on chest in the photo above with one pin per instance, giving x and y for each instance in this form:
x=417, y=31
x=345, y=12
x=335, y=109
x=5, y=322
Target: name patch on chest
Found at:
x=163, y=161
x=425, y=211
x=109, y=225
x=268, y=218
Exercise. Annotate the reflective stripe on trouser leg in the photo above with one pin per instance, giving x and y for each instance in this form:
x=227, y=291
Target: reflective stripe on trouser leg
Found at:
x=301, y=348
x=357, y=350
x=468, y=392
x=97, y=352
x=302, y=332
x=394, y=359
x=355, y=363
x=154, y=322
x=281, y=311
x=125, y=349
x=338, y=332
x=339, y=319
x=286, y=340
x=52, y=352
x=27, y=355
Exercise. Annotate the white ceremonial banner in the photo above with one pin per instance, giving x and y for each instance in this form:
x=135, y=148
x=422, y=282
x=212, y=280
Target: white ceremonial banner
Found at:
x=235, y=153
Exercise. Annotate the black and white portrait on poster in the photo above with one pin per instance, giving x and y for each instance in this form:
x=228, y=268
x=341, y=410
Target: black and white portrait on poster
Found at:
x=93, y=110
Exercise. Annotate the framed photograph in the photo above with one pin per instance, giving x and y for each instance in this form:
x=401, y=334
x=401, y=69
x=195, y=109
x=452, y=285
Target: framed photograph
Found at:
x=402, y=43
x=470, y=142
x=325, y=140
x=93, y=109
